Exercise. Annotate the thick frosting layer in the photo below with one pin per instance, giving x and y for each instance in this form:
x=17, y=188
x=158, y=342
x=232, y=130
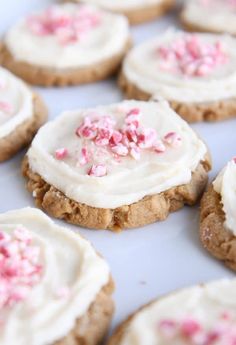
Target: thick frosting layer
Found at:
x=199, y=315
x=71, y=276
x=125, y=178
x=16, y=102
x=225, y=185
x=68, y=36
x=119, y=5
x=220, y=14
x=154, y=78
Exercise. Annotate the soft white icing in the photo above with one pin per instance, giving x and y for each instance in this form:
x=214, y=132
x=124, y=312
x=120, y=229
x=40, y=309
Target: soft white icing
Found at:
x=106, y=40
x=142, y=68
x=129, y=181
x=225, y=185
x=204, y=303
x=221, y=17
x=68, y=261
x=19, y=97
x=119, y=5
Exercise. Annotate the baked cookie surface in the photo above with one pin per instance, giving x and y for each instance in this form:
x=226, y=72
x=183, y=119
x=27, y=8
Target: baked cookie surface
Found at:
x=220, y=14
x=66, y=44
x=218, y=220
x=194, y=72
x=137, y=11
x=198, y=315
x=118, y=166
x=53, y=283
x=22, y=112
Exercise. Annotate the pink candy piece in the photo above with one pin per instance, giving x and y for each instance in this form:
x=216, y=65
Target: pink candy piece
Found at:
x=120, y=150
x=61, y=153
x=173, y=139
x=159, y=147
x=234, y=159
x=190, y=56
x=68, y=28
x=20, y=267
x=84, y=157
x=99, y=170
x=6, y=107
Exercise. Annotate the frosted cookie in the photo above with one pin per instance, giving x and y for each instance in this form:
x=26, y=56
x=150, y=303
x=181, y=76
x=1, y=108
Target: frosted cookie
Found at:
x=220, y=14
x=194, y=72
x=22, y=112
x=66, y=44
x=118, y=166
x=218, y=216
x=137, y=11
x=200, y=315
x=55, y=289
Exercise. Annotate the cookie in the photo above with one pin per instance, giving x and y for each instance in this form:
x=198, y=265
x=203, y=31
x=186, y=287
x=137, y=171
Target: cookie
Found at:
x=118, y=166
x=220, y=14
x=194, y=72
x=218, y=220
x=203, y=315
x=66, y=44
x=137, y=11
x=53, y=283
x=22, y=112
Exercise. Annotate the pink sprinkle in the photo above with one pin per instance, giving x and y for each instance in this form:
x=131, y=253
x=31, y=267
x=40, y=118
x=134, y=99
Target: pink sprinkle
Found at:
x=173, y=139
x=190, y=327
x=68, y=28
x=190, y=56
x=116, y=138
x=61, y=153
x=147, y=138
x=97, y=170
x=6, y=107
x=120, y=150
x=234, y=159
x=135, y=152
x=84, y=157
x=159, y=147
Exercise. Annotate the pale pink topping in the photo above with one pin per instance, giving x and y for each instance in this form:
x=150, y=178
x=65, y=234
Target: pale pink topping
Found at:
x=68, y=28
x=234, y=159
x=103, y=139
x=192, y=332
x=97, y=170
x=20, y=267
x=61, y=153
x=191, y=56
x=6, y=107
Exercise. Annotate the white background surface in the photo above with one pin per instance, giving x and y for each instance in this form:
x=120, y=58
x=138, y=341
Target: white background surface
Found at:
x=145, y=262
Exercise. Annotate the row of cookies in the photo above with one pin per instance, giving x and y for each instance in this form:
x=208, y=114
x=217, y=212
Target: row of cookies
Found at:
x=194, y=72
x=55, y=289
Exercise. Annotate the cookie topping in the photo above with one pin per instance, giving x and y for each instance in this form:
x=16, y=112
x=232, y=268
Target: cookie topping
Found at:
x=103, y=137
x=20, y=267
x=195, y=333
x=68, y=28
x=191, y=57
x=6, y=108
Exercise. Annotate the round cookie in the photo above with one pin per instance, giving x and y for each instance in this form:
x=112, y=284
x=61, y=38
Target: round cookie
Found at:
x=194, y=72
x=220, y=14
x=137, y=11
x=22, y=112
x=118, y=166
x=218, y=220
x=66, y=44
x=55, y=289
x=201, y=315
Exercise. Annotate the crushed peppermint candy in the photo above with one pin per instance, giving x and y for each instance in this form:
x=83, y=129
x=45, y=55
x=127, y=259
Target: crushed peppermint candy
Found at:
x=6, y=107
x=20, y=267
x=101, y=138
x=68, y=28
x=194, y=333
x=190, y=56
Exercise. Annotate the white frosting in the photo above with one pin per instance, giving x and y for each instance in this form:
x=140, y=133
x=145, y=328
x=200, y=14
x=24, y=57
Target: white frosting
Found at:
x=68, y=261
x=220, y=16
x=122, y=5
x=142, y=68
x=225, y=185
x=14, y=92
x=129, y=181
x=109, y=38
x=205, y=303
